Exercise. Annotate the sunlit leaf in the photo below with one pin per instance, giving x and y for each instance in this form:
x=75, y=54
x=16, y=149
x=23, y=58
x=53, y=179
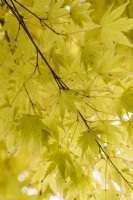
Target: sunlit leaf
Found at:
x=87, y=140
x=113, y=27
x=108, y=195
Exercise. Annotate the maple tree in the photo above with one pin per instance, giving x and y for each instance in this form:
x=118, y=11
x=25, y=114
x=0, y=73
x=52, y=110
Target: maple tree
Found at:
x=66, y=124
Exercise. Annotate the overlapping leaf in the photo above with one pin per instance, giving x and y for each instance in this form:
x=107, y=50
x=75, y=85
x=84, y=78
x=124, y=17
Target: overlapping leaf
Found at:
x=113, y=27
x=80, y=14
x=127, y=99
x=87, y=140
x=67, y=101
x=61, y=160
x=33, y=131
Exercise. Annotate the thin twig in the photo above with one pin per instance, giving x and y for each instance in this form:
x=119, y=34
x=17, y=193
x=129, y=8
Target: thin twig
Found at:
x=84, y=120
x=109, y=159
x=30, y=100
x=14, y=10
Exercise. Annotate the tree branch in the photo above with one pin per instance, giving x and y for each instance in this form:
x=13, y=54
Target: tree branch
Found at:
x=108, y=158
x=14, y=10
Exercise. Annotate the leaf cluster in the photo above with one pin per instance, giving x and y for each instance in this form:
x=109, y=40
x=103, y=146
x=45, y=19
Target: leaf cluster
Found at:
x=66, y=99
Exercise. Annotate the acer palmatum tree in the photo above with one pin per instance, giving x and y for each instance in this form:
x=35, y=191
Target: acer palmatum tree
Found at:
x=66, y=99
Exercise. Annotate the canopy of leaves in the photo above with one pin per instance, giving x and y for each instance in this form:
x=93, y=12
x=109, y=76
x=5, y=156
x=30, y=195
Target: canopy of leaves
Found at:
x=66, y=99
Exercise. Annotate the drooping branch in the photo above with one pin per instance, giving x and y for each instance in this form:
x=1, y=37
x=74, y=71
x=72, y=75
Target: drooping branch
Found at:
x=112, y=163
x=107, y=156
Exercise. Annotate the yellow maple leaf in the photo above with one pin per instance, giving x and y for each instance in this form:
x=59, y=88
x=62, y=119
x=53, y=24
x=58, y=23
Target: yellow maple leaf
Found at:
x=113, y=27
